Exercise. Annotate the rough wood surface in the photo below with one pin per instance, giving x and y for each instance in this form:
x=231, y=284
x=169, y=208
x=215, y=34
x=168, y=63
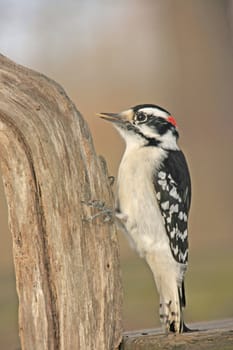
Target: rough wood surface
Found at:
x=215, y=335
x=67, y=269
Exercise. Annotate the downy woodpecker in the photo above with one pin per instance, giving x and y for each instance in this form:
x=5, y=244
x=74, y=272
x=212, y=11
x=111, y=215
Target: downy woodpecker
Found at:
x=153, y=201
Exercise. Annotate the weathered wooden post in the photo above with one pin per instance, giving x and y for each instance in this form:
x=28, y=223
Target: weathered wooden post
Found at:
x=67, y=268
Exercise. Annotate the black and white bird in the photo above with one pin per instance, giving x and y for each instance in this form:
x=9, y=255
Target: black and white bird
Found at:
x=153, y=201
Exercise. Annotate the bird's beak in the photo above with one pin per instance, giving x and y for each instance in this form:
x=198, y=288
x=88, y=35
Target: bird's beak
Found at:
x=112, y=117
x=119, y=118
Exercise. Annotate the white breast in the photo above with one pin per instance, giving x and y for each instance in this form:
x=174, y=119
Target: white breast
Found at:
x=137, y=199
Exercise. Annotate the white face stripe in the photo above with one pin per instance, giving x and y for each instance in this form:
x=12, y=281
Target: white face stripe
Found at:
x=168, y=141
x=146, y=130
x=154, y=111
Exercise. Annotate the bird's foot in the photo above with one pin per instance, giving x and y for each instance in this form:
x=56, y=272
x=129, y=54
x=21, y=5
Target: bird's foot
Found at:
x=103, y=210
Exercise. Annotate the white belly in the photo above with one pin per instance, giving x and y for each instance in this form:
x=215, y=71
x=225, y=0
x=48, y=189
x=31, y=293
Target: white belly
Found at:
x=137, y=202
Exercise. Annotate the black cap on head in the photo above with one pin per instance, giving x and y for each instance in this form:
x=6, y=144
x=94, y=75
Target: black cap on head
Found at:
x=148, y=105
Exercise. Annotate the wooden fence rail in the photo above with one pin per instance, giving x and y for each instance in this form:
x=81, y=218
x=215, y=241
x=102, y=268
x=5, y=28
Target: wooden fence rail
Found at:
x=67, y=268
x=215, y=335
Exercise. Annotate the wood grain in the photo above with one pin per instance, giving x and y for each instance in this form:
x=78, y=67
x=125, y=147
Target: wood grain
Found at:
x=67, y=268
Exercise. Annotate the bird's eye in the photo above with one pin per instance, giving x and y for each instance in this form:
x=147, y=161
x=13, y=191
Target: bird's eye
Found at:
x=141, y=117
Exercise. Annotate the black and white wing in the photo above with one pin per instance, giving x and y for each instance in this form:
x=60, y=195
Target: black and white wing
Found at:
x=173, y=191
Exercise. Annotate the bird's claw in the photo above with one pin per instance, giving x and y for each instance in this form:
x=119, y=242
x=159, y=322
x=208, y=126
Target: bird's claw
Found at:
x=104, y=211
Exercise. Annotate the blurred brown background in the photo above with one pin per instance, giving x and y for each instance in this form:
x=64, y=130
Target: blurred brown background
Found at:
x=109, y=56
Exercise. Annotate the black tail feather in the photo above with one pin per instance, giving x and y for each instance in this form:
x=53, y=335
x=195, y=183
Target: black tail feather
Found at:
x=182, y=298
x=183, y=295
x=188, y=330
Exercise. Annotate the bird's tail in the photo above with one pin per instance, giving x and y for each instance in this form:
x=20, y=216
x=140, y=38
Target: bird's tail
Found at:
x=171, y=290
x=171, y=306
x=182, y=303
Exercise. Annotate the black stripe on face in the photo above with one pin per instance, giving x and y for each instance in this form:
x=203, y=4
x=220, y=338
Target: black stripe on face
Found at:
x=160, y=125
x=152, y=142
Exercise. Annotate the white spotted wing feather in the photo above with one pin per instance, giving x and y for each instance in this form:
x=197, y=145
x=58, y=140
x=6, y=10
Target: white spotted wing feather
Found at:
x=173, y=193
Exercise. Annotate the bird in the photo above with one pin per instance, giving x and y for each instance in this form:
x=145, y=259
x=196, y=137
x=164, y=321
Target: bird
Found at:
x=153, y=196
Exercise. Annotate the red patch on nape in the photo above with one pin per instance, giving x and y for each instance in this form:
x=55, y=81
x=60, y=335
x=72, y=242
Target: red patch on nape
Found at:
x=172, y=120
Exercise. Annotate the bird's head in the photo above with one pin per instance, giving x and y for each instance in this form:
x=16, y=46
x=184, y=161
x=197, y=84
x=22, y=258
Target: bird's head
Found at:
x=145, y=125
